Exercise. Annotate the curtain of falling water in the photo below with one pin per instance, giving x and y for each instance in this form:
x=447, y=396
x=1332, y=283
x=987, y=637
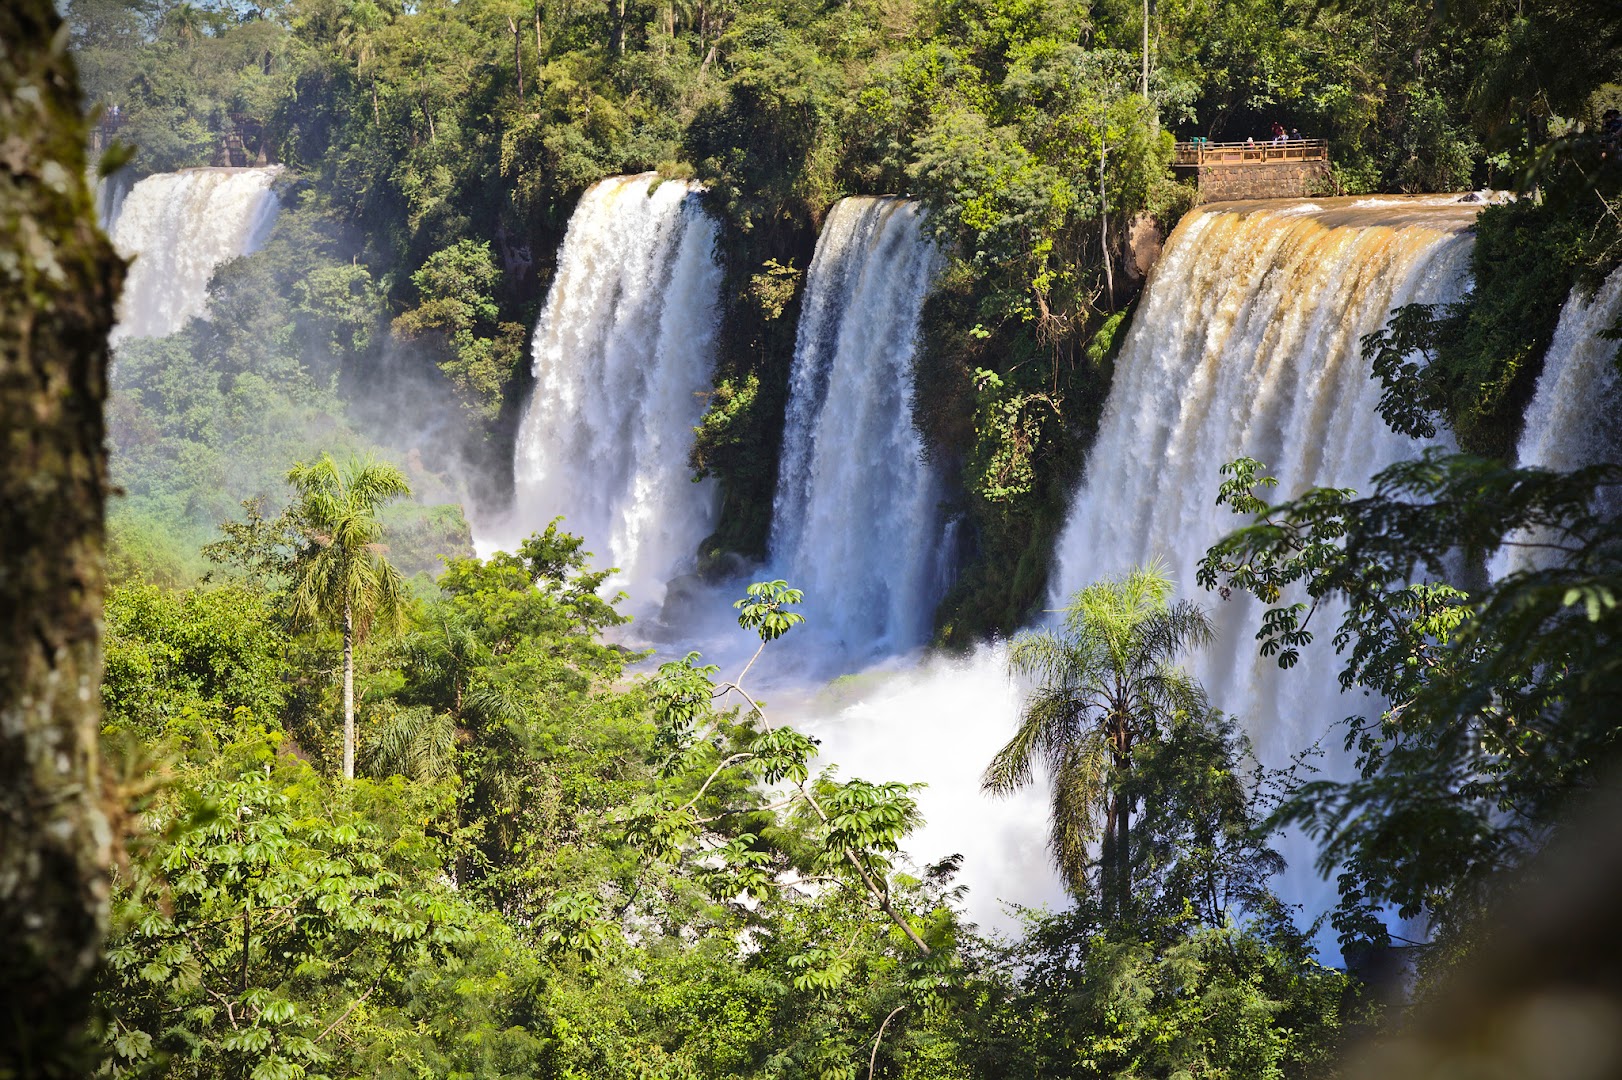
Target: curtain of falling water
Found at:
x=623, y=356
x=179, y=227
x=1247, y=343
x=855, y=520
x=1567, y=422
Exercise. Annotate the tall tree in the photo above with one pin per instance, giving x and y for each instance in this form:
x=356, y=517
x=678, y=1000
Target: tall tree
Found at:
x=1107, y=678
x=342, y=576
x=58, y=281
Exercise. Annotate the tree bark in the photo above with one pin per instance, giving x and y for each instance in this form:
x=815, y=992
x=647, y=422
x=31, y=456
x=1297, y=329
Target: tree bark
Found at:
x=1115, y=858
x=1103, y=228
x=1123, y=852
x=349, y=692
x=518, y=55
x=1145, y=86
x=1108, y=863
x=58, y=281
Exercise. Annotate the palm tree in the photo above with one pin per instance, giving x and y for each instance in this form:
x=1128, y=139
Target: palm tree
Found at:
x=188, y=23
x=1106, y=680
x=341, y=575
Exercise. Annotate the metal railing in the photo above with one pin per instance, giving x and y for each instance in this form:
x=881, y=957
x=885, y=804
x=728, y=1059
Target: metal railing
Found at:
x=1202, y=152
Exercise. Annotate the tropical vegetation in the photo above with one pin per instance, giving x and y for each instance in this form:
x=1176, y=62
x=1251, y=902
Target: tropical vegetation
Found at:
x=1108, y=687
x=543, y=868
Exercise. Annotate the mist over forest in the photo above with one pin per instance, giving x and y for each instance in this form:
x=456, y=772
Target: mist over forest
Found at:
x=722, y=539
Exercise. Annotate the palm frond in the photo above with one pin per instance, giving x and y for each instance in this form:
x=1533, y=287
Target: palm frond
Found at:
x=1043, y=656
x=417, y=743
x=1182, y=628
x=1080, y=789
x=343, y=564
x=494, y=704
x=1050, y=722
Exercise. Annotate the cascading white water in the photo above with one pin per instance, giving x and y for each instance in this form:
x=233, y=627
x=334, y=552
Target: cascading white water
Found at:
x=1247, y=344
x=855, y=521
x=623, y=356
x=179, y=227
x=1566, y=423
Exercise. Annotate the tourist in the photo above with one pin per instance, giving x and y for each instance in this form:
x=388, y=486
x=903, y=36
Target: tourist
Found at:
x=1295, y=134
x=1278, y=132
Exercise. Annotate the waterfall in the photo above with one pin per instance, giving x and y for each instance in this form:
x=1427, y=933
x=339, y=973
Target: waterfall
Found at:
x=1566, y=424
x=179, y=227
x=623, y=356
x=1247, y=343
x=855, y=521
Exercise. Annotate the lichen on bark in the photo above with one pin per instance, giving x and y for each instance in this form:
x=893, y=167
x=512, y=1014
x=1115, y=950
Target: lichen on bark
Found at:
x=58, y=281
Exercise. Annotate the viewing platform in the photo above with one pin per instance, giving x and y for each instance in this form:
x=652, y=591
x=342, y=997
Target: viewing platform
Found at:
x=1287, y=169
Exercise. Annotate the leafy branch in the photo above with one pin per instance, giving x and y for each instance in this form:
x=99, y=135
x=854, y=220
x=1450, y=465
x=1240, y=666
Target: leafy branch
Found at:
x=858, y=824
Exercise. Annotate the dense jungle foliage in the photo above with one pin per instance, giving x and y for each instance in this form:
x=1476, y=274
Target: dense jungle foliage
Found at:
x=545, y=869
x=552, y=863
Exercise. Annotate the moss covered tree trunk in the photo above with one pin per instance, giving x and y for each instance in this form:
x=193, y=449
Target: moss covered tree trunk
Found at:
x=58, y=280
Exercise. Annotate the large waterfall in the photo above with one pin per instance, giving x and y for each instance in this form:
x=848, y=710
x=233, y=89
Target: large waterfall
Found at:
x=855, y=522
x=1247, y=343
x=623, y=356
x=179, y=227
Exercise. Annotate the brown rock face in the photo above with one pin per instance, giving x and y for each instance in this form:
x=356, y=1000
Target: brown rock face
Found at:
x=1143, y=244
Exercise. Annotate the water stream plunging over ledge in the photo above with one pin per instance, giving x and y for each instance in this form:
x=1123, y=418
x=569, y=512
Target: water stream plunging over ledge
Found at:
x=1246, y=342
x=856, y=519
x=179, y=228
x=1577, y=391
x=623, y=352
